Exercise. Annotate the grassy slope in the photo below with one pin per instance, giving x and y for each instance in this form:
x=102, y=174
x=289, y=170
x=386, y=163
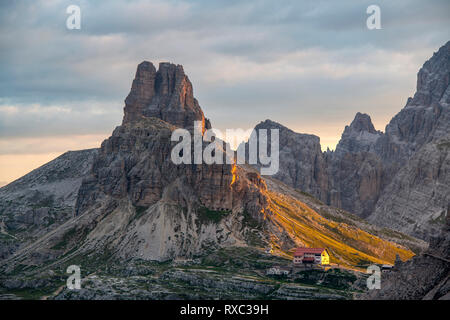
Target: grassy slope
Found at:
x=348, y=245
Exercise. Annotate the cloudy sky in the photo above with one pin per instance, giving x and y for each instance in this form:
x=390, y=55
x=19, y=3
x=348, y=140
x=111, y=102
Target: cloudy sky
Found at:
x=310, y=65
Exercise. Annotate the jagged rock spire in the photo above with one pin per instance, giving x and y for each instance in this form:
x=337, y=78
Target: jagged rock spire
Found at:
x=360, y=135
x=166, y=94
x=362, y=122
x=142, y=91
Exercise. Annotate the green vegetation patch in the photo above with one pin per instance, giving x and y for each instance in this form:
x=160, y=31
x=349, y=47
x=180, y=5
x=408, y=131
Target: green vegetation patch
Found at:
x=140, y=210
x=334, y=278
x=241, y=260
x=207, y=216
x=69, y=235
x=444, y=145
x=249, y=221
x=440, y=219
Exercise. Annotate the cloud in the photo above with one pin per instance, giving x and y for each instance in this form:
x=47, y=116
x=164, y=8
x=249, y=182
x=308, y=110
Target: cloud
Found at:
x=36, y=120
x=307, y=64
x=51, y=144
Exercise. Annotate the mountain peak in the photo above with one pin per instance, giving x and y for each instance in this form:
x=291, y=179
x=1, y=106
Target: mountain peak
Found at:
x=269, y=124
x=146, y=65
x=166, y=94
x=360, y=135
x=362, y=122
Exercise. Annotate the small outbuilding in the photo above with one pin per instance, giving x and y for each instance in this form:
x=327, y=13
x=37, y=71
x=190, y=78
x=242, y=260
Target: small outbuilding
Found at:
x=279, y=271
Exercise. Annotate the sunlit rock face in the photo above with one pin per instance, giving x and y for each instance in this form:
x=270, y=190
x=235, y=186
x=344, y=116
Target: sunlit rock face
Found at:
x=416, y=199
x=135, y=162
x=166, y=94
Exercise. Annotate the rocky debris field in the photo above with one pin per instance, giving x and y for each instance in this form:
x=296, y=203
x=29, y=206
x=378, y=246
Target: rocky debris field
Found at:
x=230, y=273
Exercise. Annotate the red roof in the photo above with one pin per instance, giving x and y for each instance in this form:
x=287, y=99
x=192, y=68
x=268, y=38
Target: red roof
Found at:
x=302, y=251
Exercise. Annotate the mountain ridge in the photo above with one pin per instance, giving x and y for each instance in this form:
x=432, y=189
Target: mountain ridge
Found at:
x=364, y=174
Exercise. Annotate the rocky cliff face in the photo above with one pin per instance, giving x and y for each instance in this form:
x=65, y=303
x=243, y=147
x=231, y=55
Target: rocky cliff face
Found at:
x=166, y=94
x=415, y=200
x=302, y=164
x=415, y=159
x=356, y=172
x=350, y=177
x=399, y=178
x=426, y=116
x=425, y=119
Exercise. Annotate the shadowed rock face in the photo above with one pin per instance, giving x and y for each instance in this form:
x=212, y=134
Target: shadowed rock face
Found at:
x=356, y=173
x=415, y=200
x=426, y=116
x=360, y=136
x=130, y=198
x=42, y=199
x=165, y=94
x=433, y=80
x=415, y=155
x=132, y=201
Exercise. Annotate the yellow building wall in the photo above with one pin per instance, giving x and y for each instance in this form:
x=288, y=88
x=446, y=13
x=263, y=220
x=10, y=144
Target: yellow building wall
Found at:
x=325, y=258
